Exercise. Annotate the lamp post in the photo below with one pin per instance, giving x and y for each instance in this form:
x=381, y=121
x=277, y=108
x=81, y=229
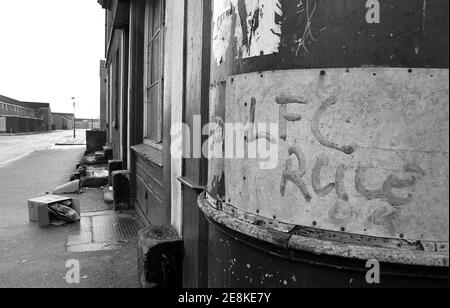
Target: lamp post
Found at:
x=74, y=128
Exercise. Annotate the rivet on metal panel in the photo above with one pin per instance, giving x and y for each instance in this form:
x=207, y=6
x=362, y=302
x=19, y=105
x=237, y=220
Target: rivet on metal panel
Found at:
x=443, y=247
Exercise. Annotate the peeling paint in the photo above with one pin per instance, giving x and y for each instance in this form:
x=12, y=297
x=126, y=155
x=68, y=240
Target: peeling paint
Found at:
x=257, y=30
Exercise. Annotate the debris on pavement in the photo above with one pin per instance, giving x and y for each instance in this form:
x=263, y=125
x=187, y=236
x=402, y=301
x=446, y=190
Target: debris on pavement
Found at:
x=64, y=212
x=54, y=210
x=72, y=187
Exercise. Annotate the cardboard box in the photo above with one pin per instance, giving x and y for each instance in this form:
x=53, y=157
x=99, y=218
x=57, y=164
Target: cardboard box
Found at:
x=38, y=208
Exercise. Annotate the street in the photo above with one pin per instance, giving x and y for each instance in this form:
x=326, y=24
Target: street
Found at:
x=18, y=146
x=37, y=257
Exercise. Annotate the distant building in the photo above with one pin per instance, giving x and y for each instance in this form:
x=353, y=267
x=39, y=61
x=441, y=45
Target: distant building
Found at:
x=63, y=121
x=19, y=117
x=103, y=80
x=43, y=111
x=89, y=124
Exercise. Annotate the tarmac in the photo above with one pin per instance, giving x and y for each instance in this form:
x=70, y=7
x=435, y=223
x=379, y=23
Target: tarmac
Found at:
x=33, y=257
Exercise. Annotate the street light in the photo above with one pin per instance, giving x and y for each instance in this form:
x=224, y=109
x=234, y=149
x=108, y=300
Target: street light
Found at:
x=74, y=128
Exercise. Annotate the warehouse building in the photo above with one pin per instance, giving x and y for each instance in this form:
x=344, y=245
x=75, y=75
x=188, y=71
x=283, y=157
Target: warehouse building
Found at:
x=19, y=117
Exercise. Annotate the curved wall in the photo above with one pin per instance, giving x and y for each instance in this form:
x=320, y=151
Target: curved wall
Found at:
x=361, y=109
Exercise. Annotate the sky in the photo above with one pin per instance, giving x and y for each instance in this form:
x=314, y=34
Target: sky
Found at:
x=50, y=51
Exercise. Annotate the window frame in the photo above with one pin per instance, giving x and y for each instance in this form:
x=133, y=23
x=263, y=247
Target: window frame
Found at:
x=148, y=68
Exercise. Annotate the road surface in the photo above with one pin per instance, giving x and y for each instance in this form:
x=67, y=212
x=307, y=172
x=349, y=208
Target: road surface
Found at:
x=13, y=148
x=32, y=257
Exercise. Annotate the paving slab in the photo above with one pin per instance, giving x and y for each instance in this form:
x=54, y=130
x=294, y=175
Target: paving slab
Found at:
x=33, y=257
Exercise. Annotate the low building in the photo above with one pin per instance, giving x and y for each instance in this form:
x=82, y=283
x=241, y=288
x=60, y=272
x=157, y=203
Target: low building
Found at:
x=17, y=117
x=88, y=124
x=63, y=121
x=42, y=110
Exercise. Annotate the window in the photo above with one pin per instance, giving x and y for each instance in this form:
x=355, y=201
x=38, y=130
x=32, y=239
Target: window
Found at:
x=154, y=69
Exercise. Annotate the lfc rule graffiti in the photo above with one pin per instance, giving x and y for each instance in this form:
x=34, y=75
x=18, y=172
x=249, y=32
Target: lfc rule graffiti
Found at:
x=358, y=151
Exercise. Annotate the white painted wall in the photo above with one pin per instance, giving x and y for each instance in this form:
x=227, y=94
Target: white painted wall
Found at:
x=2, y=125
x=174, y=93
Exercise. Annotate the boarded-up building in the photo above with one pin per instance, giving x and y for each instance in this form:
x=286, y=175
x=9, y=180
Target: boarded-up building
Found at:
x=358, y=92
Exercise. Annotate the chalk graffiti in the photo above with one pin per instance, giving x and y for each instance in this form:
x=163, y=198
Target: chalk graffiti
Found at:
x=296, y=176
x=322, y=192
x=338, y=185
x=385, y=192
x=315, y=126
x=253, y=134
x=285, y=117
x=299, y=40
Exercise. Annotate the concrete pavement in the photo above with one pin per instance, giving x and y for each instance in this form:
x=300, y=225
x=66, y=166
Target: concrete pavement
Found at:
x=34, y=257
x=18, y=146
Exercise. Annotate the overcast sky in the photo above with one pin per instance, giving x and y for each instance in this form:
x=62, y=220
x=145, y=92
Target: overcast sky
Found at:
x=50, y=51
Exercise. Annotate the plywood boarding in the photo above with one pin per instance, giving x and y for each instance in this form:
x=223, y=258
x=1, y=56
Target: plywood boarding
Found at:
x=372, y=145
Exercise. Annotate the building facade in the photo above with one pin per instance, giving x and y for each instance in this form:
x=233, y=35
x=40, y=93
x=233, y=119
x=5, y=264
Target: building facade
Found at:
x=17, y=117
x=88, y=124
x=358, y=172
x=103, y=95
x=63, y=121
x=43, y=111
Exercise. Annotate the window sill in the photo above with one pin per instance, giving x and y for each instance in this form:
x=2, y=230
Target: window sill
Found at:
x=150, y=153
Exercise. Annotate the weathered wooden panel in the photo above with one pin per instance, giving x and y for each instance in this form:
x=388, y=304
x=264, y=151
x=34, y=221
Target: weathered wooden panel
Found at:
x=197, y=69
x=363, y=151
x=150, y=181
x=152, y=169
x=150, y=193
x=141, y=191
